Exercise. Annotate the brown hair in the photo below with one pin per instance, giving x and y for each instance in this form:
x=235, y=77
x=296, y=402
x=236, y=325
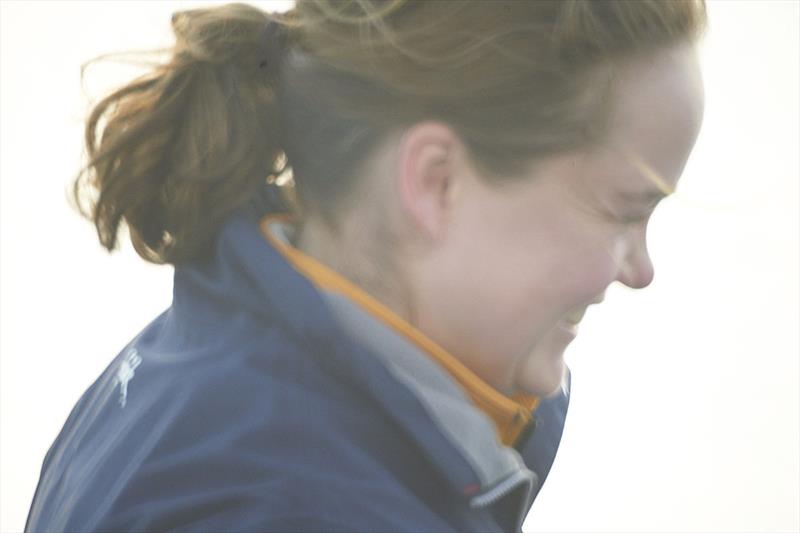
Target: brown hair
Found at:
x=209, y=131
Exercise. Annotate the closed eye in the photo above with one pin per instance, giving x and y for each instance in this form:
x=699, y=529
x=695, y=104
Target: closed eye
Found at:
x=638, y=218
x=634, y=219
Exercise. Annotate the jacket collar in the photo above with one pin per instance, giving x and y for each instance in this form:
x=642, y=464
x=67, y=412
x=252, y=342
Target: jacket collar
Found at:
x=473, y=416
x=510, y=414
x=425, y=401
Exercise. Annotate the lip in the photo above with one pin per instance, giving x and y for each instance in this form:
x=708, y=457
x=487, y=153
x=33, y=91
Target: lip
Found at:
x=568, y=328
x=569, y=325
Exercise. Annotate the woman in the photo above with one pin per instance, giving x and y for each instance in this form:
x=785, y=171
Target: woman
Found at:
x=374, y=342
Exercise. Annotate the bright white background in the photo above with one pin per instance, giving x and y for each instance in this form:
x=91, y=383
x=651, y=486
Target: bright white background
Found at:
x=684, y=414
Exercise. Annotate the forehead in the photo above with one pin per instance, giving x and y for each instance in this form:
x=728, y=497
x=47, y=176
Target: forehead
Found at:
x=657, y=113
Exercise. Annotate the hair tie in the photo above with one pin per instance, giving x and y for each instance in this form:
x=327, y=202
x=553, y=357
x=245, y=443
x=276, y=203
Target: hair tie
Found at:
x=272, y=46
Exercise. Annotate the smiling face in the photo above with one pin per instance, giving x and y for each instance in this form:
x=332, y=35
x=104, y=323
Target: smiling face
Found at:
x=515, y=263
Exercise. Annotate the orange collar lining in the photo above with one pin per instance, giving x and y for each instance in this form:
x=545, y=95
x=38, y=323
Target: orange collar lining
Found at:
x=510, y=414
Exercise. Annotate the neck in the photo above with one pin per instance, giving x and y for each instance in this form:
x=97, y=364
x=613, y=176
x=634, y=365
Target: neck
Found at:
x=351, y=252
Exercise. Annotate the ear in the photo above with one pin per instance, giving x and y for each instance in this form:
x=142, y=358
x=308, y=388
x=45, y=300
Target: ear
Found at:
x=427, y=177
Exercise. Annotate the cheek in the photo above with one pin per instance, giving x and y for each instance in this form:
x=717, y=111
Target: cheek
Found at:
x=599, y=272
x=594, y=263
x=542, y=371
x=573, y=279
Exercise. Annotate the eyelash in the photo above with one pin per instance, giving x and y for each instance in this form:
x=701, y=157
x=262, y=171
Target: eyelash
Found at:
x=639, y=218
x=633, y=220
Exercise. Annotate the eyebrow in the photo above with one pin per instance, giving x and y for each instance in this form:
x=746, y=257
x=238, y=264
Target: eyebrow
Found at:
x=645, y=197
x=662, y=190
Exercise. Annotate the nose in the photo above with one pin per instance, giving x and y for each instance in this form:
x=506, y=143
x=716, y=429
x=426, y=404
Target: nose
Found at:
x=635, y=267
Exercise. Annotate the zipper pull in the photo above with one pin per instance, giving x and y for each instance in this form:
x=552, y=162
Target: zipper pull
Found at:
x=526, y=433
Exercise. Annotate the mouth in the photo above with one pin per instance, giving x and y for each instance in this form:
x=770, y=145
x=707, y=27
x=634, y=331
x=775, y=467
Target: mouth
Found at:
x=575, y=317
x=569, y=324
x=570, y=328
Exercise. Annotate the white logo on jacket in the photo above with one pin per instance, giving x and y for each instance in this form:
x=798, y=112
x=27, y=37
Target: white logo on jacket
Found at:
x=126, y=372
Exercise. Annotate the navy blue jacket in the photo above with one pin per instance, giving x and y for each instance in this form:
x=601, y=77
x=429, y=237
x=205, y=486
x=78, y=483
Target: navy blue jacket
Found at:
x=257, y=402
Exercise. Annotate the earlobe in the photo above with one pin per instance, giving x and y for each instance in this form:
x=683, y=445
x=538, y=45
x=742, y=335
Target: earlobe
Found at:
x=426, y=179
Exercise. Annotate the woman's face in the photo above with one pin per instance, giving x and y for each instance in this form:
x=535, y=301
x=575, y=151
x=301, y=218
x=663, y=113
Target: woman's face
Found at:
x=523, y=260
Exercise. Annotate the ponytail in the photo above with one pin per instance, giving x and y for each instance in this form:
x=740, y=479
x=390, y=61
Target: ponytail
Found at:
x=189, y=142
x=203, y=134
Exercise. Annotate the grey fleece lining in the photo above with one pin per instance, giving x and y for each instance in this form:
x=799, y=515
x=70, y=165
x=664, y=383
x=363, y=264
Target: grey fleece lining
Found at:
x=469, y=429
x=499, y=468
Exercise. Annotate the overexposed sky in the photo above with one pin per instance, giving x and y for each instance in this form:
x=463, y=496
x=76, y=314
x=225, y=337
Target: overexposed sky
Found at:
x=685, y=412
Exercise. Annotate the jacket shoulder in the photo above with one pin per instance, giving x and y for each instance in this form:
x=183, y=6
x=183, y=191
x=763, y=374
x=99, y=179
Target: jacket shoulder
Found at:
x=271, y=442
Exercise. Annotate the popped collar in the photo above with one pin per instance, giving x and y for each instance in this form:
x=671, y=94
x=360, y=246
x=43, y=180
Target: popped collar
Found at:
x=304, y=410
x=499, y=468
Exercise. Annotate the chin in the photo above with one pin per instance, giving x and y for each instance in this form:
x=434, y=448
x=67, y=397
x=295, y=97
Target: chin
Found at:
x=542, y=376
x=546, y=389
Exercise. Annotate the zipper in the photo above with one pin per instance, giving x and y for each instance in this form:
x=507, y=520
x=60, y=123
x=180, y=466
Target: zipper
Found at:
x=504, y=487
x=522, y=477
x=525, y=434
